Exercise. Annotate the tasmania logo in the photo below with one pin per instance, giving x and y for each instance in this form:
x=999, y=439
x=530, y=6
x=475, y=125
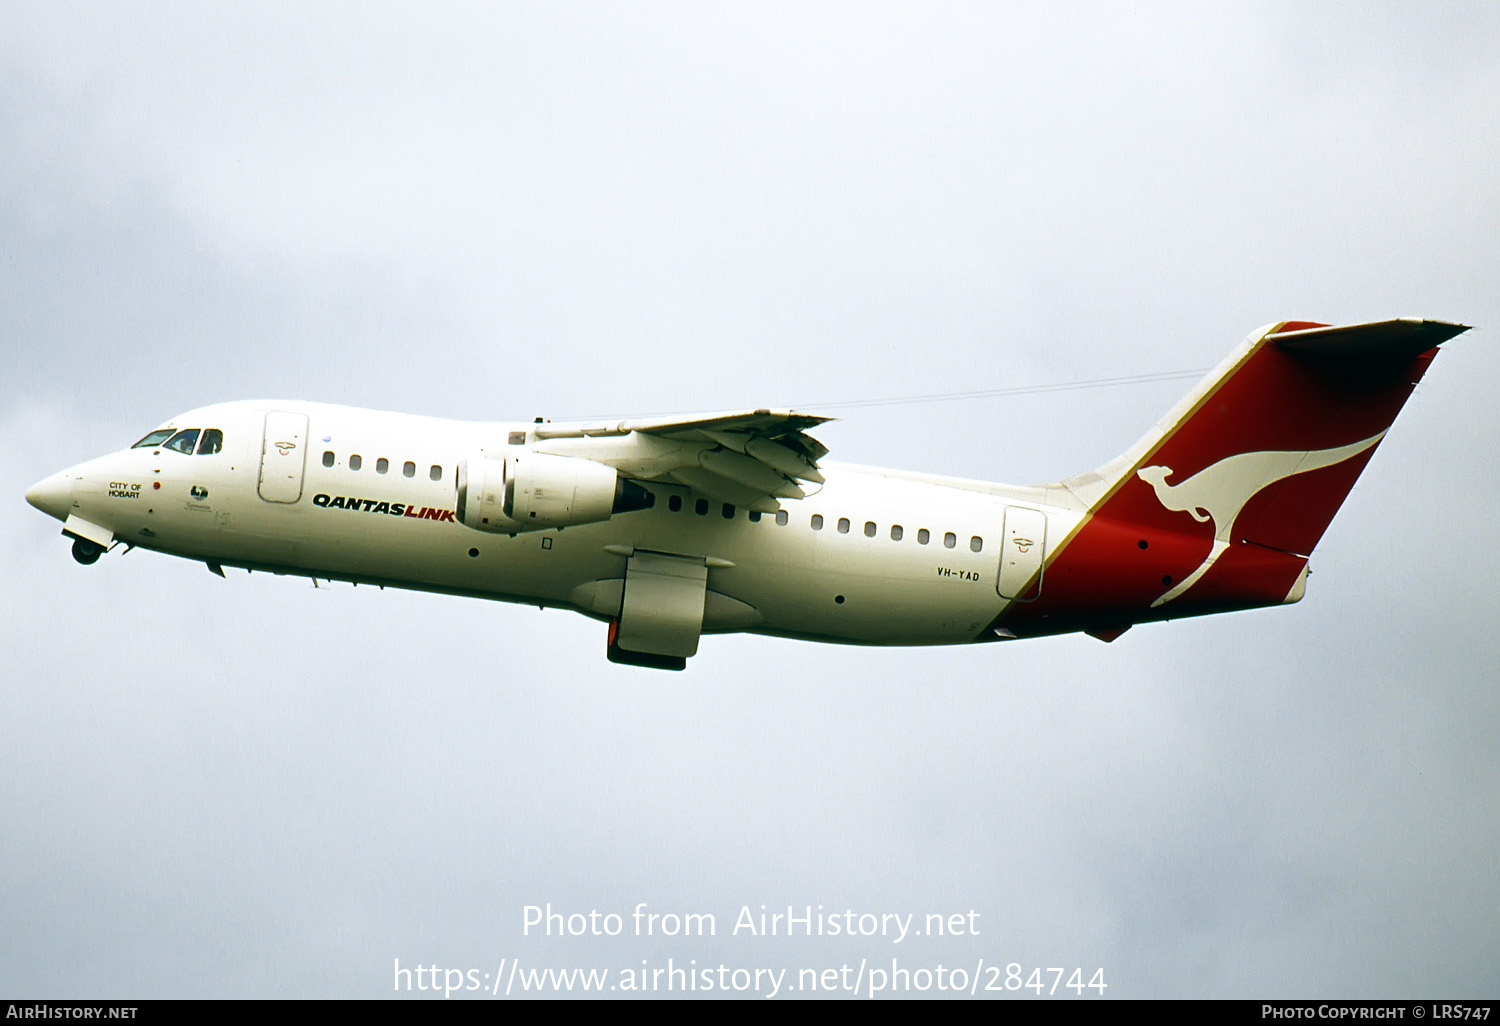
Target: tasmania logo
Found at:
x=394, y=509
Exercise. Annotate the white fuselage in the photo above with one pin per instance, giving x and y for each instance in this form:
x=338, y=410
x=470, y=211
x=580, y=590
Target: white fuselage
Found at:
x=899, y=559
x=671, y=528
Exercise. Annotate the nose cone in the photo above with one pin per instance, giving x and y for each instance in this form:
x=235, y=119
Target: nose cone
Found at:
x=53, y=495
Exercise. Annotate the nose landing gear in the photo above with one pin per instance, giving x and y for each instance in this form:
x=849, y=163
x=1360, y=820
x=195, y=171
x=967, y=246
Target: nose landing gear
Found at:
x=87, y=552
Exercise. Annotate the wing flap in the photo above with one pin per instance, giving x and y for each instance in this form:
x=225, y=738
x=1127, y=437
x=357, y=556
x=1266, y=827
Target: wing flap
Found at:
x=749, y=459
x=779, y=457
x=750, y=422
x=725, y=490
x=749, y=472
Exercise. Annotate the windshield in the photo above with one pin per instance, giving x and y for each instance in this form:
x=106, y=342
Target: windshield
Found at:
x=183, y=441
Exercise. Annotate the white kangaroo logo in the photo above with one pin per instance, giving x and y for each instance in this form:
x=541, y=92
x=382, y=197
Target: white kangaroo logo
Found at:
x=1218, y=492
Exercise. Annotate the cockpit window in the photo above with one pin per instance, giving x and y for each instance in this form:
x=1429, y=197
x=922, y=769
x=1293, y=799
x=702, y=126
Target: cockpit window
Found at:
x=183, y=441
x=153, y=439
x=211, y=442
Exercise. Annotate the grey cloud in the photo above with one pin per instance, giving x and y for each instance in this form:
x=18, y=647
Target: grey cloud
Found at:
x=251, y=787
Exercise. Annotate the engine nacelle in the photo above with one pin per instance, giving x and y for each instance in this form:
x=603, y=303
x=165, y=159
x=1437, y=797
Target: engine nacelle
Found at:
x=531, y=491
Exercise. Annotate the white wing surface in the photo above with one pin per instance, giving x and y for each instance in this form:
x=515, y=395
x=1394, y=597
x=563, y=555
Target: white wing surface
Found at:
x=751, y=459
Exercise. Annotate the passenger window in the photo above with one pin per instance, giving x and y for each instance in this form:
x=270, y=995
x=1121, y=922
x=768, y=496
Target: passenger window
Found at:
x=153, y=439
x=817, y=521
x=976, y=543
x=922, y=536
x=781, y=518
x=436, y=473
x=701, y=507
x=869, y=528
x=754, y=517
x=675, y=504
x=328, y=457
x=949, y=540
x=212, y=442
x=843, y=525
x=728, y=511
x=408, y=469
x=896, y=532
x=183, y=441
x=650, y=500
x=382, y=465
x=355, y=462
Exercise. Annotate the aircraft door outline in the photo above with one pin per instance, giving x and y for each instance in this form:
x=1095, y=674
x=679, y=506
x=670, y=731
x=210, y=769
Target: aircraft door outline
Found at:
x=283, y=456
x=1023, y=550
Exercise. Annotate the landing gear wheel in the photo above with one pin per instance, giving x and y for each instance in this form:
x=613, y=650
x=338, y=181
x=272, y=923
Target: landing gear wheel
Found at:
x=86, y=552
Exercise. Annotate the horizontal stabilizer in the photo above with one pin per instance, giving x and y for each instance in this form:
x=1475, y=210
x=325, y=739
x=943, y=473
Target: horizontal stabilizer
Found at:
x=1220, y=505
x=1380, y=341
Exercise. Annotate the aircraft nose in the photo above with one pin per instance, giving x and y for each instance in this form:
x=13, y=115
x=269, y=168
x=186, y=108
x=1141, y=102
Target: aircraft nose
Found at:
x=53, y=495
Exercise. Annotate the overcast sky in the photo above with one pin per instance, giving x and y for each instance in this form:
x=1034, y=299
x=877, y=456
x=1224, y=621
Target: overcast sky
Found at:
x=254, y=788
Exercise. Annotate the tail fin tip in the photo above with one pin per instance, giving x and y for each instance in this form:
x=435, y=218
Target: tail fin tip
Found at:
x=1404, y=337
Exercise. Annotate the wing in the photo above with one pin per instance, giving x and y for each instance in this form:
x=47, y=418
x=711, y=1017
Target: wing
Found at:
x=750, y=459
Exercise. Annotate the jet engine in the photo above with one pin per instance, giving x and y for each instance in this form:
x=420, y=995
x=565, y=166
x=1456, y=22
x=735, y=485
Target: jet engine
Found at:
x=532, y=491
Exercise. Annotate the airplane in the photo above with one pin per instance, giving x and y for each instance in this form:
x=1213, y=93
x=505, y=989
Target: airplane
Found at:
x=668, y=529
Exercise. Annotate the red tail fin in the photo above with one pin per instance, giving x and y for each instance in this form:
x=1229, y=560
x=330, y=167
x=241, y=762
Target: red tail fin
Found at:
x=1219, y=506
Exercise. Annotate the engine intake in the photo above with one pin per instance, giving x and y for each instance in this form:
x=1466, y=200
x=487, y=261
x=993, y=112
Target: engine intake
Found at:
x=532, y=491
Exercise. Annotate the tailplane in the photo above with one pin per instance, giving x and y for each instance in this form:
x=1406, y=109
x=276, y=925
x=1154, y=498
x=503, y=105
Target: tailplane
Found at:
x=1220, y=504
